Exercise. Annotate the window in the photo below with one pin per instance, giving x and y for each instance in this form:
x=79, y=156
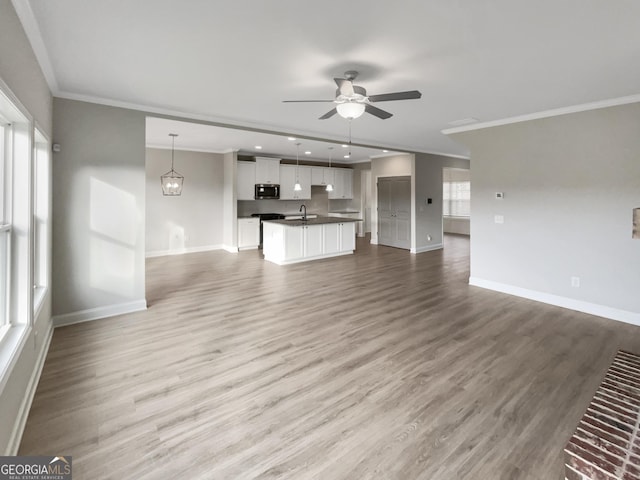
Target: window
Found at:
x=5, y=231
x=16, y=226
x=40, y=219
x=456, y=192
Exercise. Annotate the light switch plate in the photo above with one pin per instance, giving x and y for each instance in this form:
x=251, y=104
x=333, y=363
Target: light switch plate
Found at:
x=499, y=195
x=498, y=219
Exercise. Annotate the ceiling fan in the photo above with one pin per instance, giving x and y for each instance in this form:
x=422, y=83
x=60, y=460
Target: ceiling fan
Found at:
x=352, y=100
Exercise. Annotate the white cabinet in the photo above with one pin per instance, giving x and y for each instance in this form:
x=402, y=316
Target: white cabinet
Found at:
x=248, y=233
x=347, y=236
x=342, y=183
x=332, y=238
x=246, y=180
x=288, y=180
x=283, y=244
x=354, y=215
x=321, y=175
x=267, y=170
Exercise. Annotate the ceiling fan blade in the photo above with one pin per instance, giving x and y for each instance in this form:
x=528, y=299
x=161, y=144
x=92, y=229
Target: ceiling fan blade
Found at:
x=385, y=97
x=377, y=112
x=329, y=114
x=345, y=86
x=305, y=101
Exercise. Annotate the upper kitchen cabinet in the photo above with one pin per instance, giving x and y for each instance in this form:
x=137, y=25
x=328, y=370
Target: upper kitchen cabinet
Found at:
x=246, y=180
x=321, y=175
x=288, y=180
x=267, y=170
x=342, y=183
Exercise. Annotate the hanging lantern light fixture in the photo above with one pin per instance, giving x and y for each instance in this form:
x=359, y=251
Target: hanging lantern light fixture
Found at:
x=172, y=181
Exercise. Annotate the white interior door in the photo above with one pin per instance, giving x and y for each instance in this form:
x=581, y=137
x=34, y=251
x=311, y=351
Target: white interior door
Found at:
x=394, y=211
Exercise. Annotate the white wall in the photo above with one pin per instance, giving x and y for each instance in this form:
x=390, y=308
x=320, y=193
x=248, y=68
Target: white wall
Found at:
x=570, y=184
x=20, y=72
x=98, y=211
x=194, y=220
x=230, y=203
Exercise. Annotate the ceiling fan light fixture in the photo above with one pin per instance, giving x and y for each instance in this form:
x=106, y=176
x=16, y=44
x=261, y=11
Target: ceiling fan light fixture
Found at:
x=350, y=110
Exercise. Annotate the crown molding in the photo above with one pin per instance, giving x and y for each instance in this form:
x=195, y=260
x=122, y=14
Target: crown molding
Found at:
x=190, y=149
x=32, y=30
x=612, y=102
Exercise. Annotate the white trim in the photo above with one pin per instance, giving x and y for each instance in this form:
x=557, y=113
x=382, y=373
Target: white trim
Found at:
x=579, y=305
x=308, y=259
x=374, y=241
x=32, y=30
x=230, y=249
x=253, y=247
x=613, y=102
x=23, y=413
x=11, y=346
x=246, y=125
x=189, y=149
x=182, y=251
x=427, y=248
x=98, y=313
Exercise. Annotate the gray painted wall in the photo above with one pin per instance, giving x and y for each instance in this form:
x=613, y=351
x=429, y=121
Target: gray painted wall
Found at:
x=428, y=184
x=195, y=218
x=19, y=70
x=570, y=184
x=99, y=207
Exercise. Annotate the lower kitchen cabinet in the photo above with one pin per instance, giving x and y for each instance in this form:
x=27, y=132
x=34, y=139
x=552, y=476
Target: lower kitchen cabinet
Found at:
x=248, y=233
x=285, y=244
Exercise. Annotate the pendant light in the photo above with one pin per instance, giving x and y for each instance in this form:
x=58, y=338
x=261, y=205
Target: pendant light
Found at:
x=172, y=181
x=329, y=185
x=297, y=187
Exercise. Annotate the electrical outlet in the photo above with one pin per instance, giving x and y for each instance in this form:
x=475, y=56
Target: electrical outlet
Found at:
x=575, y=282
x=498, y=218
x=428, y=238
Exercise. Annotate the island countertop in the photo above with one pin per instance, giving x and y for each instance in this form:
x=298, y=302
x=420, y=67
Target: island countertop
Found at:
x=313, y=221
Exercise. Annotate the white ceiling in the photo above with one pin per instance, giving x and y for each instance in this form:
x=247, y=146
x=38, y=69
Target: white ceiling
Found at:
x=234, y=61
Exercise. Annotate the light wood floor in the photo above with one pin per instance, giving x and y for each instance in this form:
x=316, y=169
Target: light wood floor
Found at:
x=380, y=365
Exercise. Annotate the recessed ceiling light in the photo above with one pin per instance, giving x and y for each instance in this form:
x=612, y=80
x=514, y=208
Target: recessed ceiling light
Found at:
x=291, y=139
x=347, y=156
x=258, y=147
x=345, y=146
x=307, y=152
x=385, y=151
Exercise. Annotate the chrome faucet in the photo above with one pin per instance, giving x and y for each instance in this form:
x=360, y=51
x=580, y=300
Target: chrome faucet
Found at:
x=304, y=215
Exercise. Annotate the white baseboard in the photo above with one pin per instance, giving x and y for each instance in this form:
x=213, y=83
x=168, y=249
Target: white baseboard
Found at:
x=230, y=249
x=255, y=247
x=25, y=407
x=373, y=241
x=579, y=305
x=182, y=251
x=98, y=313
x=278, y=261
x=427, y=248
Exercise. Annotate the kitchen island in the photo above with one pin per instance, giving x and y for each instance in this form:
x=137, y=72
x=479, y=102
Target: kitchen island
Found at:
x=294, y=241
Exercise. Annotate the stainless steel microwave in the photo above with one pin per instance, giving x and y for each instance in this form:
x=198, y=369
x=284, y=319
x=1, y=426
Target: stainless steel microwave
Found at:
x=266, y=191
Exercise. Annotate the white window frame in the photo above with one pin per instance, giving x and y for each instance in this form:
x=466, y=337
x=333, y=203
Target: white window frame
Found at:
x=450, y=178
x=41, y=216
x=16, y=189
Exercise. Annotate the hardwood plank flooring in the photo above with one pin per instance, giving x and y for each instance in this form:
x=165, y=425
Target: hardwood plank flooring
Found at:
x=379, y=365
